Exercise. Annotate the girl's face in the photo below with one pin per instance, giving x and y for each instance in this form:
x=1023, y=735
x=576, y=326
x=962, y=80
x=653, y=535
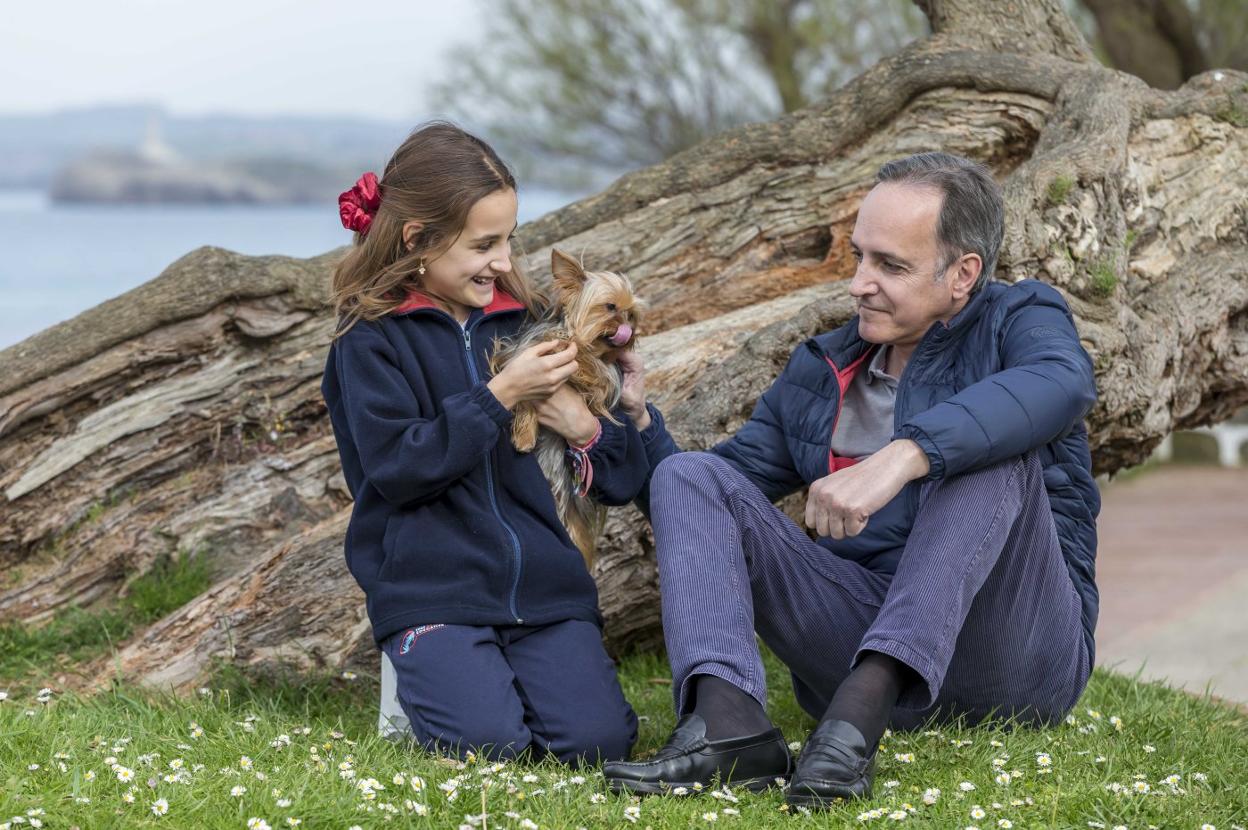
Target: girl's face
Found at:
x=463, y=276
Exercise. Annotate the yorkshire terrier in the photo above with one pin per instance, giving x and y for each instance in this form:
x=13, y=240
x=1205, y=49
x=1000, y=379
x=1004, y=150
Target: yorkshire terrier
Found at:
x=597, y=311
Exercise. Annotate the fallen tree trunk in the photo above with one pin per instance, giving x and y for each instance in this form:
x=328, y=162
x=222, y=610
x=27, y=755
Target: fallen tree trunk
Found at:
x=185, y=419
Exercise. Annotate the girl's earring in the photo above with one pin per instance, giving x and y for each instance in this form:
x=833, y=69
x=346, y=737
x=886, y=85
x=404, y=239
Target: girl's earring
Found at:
x=420, y=269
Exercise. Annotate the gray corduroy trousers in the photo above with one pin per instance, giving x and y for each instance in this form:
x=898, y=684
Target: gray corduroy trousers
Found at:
x=981, y=606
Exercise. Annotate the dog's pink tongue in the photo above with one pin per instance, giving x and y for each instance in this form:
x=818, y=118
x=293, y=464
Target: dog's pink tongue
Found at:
x=622, y=335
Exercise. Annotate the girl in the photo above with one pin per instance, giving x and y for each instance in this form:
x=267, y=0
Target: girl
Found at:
x=474, y=590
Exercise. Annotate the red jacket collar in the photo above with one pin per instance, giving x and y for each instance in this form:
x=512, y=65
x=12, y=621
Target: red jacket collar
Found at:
x=846, y=376
x=417, y=299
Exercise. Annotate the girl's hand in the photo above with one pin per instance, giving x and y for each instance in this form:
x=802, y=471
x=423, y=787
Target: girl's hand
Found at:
x=633, y=388
x=565, y=413
x=534, y=373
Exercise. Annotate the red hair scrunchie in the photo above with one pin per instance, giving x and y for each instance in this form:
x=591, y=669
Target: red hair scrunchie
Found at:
x=358, y=206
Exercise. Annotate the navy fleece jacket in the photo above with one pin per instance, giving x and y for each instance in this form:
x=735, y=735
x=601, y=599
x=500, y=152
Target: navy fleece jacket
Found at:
x=451, y=524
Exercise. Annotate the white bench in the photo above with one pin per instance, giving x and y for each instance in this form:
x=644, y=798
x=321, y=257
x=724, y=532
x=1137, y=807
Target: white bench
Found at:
x=1230, y=437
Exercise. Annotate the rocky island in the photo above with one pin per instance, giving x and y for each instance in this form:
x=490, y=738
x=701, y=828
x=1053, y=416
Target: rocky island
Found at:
x=114, y=176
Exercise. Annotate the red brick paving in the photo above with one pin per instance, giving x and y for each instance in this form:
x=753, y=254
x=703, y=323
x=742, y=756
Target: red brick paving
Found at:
x=1172, y=567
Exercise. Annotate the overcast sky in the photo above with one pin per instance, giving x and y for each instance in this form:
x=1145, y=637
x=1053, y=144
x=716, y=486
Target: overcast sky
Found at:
x=369, y=57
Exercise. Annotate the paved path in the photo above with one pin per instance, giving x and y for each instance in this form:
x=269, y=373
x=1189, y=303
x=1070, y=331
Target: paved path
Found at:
x=1172, y=567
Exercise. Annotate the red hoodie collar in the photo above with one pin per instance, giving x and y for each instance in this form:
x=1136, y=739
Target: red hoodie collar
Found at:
x=417, y=299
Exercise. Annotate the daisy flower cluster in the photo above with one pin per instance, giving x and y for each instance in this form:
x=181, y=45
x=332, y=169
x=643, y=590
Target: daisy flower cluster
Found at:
x=930, y=796
x=1001, y=794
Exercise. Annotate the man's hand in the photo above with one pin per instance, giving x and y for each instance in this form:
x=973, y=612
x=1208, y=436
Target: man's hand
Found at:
x=842, y=503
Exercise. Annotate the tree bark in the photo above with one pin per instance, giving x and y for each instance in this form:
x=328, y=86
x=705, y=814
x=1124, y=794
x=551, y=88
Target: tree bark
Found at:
x=185, y=417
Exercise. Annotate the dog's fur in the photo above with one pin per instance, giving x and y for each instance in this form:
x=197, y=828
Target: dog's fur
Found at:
x=590, y=308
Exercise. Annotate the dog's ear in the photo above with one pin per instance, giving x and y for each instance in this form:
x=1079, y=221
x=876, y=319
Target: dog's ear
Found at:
x=569, y=275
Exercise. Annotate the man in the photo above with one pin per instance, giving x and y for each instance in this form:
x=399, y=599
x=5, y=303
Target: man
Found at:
x=941, y=435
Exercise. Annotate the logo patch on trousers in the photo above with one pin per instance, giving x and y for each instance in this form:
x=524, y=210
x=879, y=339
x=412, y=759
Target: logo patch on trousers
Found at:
x=413, y=634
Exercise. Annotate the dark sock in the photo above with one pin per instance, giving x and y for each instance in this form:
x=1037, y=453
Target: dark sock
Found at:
x=866, y=698
x=728, y=711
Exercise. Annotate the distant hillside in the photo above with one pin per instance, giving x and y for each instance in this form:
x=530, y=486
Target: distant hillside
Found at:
x=34, y=149
x=116, y=177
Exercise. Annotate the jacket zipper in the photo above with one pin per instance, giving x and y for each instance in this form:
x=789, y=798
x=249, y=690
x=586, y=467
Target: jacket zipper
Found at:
x=840, y=399
x=902, y=386
x=489, y=484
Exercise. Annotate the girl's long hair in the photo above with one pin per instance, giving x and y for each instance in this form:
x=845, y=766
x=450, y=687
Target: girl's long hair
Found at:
x=435, y=177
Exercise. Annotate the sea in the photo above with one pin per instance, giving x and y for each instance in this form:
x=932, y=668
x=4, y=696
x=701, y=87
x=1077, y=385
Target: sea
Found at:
x=59, y=260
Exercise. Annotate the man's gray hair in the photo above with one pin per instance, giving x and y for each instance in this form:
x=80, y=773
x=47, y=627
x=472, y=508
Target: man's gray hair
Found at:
x=972, y=212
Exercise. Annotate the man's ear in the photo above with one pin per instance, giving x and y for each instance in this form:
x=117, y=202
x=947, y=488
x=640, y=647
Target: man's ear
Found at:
x=965, y=274
x=411, y=230
x=569, y=275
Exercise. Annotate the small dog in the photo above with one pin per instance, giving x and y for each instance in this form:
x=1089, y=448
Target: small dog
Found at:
x=597, y=311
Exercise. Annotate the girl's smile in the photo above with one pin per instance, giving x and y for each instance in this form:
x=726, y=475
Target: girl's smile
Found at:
x=463, y=275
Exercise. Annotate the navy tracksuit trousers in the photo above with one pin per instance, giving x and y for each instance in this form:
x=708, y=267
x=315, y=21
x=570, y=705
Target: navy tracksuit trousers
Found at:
x=502, y=690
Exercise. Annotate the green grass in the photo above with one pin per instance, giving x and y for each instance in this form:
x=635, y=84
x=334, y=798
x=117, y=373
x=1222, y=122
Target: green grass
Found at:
x=286, y=738
x=29, y=654
x=1104, y=278
x=1059, y=190
x=1233, y=114
x=170, y=583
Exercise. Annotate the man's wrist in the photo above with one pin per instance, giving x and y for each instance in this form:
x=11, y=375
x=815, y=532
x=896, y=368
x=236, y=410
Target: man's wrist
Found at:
x=915, y=460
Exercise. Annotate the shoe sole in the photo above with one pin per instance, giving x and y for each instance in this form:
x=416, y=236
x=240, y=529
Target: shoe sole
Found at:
x=818, y=801
x=754, y=785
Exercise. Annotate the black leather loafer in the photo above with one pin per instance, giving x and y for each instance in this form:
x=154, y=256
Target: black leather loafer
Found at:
x=835, y=764
x=688, y=758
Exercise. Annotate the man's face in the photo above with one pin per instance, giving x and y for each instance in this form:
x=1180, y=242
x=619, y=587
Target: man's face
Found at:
x=900, y=285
